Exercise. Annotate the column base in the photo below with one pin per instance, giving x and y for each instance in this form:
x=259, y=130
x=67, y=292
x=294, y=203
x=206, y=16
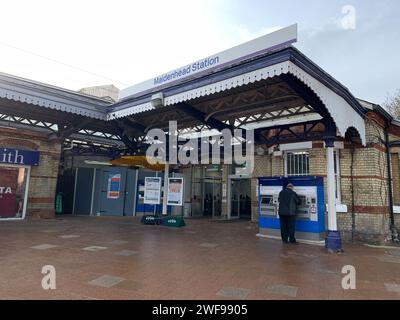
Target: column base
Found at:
x=333, y=242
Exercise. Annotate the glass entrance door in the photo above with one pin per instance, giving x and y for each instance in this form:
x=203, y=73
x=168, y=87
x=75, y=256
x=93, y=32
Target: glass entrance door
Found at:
x=235, y=198
x=240, y=198
x=212, y=200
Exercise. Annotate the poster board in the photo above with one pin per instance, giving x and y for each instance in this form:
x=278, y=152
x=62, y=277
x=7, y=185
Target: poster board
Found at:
x=224, y=193
x=152, y=190
x=114, y=186
x=175, y=192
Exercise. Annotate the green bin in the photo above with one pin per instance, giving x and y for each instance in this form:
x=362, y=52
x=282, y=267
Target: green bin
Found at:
x=59, y=203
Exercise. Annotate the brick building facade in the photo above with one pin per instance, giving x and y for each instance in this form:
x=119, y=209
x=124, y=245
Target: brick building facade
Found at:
x=272, y=90
x=43, y=178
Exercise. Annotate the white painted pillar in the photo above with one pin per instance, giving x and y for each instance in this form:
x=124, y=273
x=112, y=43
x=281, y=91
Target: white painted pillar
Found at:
x=332, y=221
x=166, y=172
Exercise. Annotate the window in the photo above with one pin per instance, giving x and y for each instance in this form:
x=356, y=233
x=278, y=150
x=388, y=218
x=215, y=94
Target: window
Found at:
x=297, y=163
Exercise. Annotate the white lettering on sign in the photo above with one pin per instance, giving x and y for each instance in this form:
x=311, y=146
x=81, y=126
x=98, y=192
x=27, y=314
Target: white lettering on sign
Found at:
x=5, y=190
x=11, y=157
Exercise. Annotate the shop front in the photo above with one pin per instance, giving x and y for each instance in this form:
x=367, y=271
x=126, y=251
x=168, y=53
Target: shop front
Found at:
x=15, y=169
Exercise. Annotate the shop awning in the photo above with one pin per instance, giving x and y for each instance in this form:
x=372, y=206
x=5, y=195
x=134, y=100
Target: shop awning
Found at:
x=137, y=161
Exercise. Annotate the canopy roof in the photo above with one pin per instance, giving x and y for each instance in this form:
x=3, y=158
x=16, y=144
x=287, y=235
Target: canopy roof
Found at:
x=276, y=88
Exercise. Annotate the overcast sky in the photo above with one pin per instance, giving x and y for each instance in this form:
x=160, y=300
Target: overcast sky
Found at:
x=74, y=44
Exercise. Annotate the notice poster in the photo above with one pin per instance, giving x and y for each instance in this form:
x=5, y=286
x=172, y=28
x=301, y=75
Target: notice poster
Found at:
x=224, y=192
x=8, y=196
x=175, y=192
x=114, y=186
x=152, y=190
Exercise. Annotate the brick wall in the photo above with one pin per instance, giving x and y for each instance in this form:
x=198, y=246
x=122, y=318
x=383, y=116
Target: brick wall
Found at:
x=371, y=211
x=264, y=166
x=43, y=178
x=396, y=178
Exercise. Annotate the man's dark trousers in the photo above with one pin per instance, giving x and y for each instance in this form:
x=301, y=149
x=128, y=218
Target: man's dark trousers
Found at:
x=288, y=224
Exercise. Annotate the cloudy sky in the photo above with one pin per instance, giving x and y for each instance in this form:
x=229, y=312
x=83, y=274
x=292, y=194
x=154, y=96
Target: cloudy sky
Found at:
x=74, y=44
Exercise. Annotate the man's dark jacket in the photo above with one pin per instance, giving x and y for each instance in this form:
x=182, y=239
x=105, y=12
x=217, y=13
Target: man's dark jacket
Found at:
x=288, y=202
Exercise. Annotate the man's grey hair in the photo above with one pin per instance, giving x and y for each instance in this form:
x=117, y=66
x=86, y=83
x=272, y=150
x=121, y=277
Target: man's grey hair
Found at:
x=291, y=186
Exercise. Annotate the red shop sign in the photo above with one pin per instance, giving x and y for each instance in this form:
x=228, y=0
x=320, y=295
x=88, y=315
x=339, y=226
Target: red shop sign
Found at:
x=8, y=188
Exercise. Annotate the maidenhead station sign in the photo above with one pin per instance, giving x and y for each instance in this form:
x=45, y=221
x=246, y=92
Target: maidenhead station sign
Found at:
x=186, y=71
x=19, y=157
x=252, y=49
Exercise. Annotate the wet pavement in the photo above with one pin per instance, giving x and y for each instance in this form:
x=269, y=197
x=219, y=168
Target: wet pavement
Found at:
x=118, y=258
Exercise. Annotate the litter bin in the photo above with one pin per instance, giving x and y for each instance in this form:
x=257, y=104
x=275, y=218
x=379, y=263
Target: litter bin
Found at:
x=59, y=203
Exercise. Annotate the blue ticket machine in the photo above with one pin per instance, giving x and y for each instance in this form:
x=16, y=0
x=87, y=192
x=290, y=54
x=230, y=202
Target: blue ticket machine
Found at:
x=310, y=217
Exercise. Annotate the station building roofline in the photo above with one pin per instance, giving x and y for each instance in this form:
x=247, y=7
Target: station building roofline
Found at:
x=63, y=100
x=48, y=96
x=291, y=54
x=287, y=64
x=367, y=105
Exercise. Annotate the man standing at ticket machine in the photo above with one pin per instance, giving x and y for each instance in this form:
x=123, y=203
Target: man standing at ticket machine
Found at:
x=288, y=202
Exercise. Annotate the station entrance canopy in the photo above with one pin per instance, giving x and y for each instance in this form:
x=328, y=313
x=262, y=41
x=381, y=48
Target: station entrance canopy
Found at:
x=264, y=84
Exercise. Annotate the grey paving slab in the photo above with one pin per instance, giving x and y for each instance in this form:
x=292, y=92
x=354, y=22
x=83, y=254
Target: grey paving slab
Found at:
x=69, y=236
x=51, y=231
x=305, y=255
x=106, y=281
x=392, y=287
x=393, y=252
x=208, y=245
x=234, y=293
x=126, y=253
x=118, y=242
x=44, y=246
x=327, y=271
x=390, y=259
x=283, y=290
x=130, y=285
x=94, y=248
x=286, y=256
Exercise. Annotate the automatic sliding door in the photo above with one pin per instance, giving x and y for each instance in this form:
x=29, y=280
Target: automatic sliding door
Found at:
x=235, y=198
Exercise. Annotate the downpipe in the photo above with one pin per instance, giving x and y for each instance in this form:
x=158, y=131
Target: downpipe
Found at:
x=394, y=233
x=353, y=212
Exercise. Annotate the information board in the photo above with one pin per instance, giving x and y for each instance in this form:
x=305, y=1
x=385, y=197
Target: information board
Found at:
x=152, y=190
x=175, y=192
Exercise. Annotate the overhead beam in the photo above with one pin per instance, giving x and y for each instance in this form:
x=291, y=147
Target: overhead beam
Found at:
x=307, y=133
x=20, y=110
x=258, y=107
x=19, y=125
x=66, y=132
x=130, y=123
x=202, y=117
x=121, y=130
